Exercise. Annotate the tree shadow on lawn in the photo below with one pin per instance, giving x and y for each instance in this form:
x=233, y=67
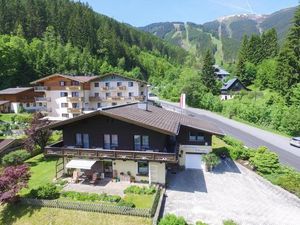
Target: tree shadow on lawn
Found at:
x=14, y=211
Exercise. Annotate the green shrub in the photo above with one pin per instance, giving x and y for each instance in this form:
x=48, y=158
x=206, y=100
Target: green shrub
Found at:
x=134, y=189
x=126, y=204
x=83, y=196
x=47, y=191
x=289, y=181
x=171, y=219
x=232, y=141
x=229, y=222
x=265, y=161
x=201, y=223
x=15, y=158
x=211, y=160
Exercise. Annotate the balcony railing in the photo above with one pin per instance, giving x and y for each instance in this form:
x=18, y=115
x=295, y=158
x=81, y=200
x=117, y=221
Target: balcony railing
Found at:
x=95, y=98
x=42, y=99
x=121, y=88
x=98, y=153
x=73, y=88
x=41, y=88
x=74, y=99
x=74, y=110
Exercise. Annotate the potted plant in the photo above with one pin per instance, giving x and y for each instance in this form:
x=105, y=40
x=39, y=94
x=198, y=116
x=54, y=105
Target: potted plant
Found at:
x=210, y=160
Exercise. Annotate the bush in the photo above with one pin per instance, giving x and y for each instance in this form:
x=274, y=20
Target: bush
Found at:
x=15, y=158
x=82, y=196
x=265, y=161
x=232, y=141
x=126, y=204
x=134, y=189
x=229, y=222
x=47, y=191
x=171, y=219
x=211, y=160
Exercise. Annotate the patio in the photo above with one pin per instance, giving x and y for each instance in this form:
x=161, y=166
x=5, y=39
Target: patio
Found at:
x=106, y=185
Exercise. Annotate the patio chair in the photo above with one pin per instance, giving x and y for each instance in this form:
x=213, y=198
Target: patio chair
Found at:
x=75, y=178
x=94, y=178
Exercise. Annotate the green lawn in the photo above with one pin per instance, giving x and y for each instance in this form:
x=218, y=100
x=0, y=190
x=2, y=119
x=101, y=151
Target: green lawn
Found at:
x=140, y=201
x=25, y=215
x=42, y=171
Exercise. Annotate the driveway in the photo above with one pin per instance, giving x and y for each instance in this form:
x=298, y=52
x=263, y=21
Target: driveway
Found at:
x=230, y=192
x=251, y=136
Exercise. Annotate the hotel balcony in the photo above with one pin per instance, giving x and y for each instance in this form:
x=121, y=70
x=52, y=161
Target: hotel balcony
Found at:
x=95, y=98
x=42, y=99
x=41, y=88
x=74, y=99
x=105, y=88
x=73, y=88
x=59, y=149
x=122, y=88
x=74, y=110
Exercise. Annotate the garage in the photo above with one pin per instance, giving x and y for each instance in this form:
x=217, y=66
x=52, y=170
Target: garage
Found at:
x=193, y=161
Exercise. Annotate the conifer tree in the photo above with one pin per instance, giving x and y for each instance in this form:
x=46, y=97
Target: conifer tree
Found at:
x=208, y=75
x=269, y=44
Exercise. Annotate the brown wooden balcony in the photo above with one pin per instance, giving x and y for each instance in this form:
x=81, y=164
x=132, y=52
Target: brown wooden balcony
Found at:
x=121, y=88
x=95, y=98
x=42, y=99
x=73, y=88
x=99, y=153
x=74, y=99
x=74, y=110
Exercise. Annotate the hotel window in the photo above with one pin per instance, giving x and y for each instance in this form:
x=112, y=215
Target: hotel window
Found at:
x=119, y=84
x=75, y=105
x=110, y=141
x=62, y=83
x=27, y=104
x=145, y=142
x=143, y=168
x=74, y=83
x=142, y=93
x=141, y=142
x=130, y=84
x=96, y=84
x=40, y=104
x=64, y=105
x=114, y=140
x=196, y=136
x=63, y=94
x=119, y=94
x=98, y=105
x=107, y=94
x=75, y=94
x=96, y=94
x=130, y=94
x=107, y=84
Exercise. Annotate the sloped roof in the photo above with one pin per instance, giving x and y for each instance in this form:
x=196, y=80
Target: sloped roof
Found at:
x=230, y=82
x=116, y=74
x=4, y=102
x=219, y=70
x=155, y=118
x=11, y=91
x=81, y=79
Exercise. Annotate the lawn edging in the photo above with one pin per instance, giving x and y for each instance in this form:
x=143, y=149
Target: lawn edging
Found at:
x=158, y=206
x=90, y=207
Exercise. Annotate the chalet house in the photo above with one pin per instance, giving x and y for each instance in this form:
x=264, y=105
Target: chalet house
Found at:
x=220, y=73
x=70, y=96
x=15, y=99
x=137, y=139
x=231, y=87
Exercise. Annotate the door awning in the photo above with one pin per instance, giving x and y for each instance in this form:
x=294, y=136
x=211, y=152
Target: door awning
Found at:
x=80, y=164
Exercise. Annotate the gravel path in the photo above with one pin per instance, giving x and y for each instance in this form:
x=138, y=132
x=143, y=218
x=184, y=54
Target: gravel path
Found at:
x=230, y=192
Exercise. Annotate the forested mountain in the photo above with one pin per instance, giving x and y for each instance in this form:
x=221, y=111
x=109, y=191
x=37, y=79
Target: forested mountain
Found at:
x=40, y=37
x=222, y=36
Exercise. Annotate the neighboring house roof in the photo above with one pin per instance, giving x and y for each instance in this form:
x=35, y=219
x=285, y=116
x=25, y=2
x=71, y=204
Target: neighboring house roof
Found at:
x=17, y=90
x=219, y=70
x=155, y=118
x=229, y=84
x=4, y=102
x=116, y=74
x=81, y=79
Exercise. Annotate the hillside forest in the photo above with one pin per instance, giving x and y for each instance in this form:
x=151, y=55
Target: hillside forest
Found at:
x=41, y=37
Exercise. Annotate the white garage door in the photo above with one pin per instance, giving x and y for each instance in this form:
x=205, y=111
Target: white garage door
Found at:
x=193, y=161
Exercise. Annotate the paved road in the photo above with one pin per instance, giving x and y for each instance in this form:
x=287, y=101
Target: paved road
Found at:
x=229, y=192
x=251, y=136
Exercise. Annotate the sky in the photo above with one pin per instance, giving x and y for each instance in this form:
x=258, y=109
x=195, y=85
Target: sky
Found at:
x=144, y=12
